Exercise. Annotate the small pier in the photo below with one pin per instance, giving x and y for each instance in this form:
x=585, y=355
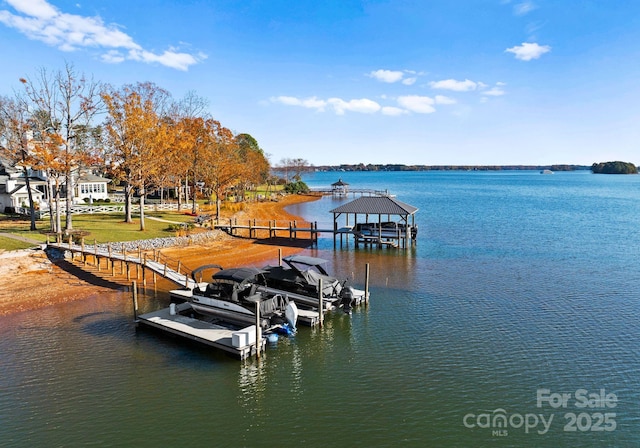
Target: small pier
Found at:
x=271, y=229
x=395, y=225
x=240, y=343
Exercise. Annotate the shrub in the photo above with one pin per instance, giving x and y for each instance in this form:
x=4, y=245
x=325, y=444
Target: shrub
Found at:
x=181, y=227
x=296, y=187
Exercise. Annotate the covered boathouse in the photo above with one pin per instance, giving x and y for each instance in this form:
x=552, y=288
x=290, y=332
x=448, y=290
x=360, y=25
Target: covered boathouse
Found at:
x=395, y=224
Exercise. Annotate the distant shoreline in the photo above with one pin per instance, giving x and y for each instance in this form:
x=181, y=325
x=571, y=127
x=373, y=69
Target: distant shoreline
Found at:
x=400, y=167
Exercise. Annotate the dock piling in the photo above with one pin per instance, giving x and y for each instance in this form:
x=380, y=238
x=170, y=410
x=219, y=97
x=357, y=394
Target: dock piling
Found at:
x=144, y=272
x=366, y=285
x=258, y=330
x=320, y=311
x=134, y=289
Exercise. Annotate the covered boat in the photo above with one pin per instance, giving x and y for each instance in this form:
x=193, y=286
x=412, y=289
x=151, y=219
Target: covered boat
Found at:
x=233, y=294
x=301, y=275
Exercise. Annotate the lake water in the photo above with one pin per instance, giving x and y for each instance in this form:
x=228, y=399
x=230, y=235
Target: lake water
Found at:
x=513, y=322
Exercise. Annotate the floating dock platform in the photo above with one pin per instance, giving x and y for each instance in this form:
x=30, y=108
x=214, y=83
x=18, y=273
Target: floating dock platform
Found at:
x=240, y=343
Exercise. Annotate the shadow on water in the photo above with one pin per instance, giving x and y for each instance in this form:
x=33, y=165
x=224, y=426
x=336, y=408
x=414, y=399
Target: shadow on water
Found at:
x=89, y=315
x=285, y=242
x=185, y=351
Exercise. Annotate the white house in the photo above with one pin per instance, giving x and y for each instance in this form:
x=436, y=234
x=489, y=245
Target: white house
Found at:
x=13, y=188
x=91, y=188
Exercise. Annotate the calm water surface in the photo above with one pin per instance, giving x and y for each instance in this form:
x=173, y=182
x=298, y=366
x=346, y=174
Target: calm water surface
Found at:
x=519, y=283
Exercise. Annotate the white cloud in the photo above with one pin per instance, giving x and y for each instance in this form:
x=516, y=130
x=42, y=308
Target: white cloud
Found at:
x=339, y=106
x=441, y=99
x=308, y=103
x=524, y=8
x=113, y=57
x=494, y=91
x=452, y=84
x=39, y=20
x=418, y=104
x=393, y=111
x=407, y=104
x=37, y=8
x=392, y=76
x=528, y=51
x=389, y=76
x=363, y=105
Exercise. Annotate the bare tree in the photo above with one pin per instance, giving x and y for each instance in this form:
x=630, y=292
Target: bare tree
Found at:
x=295, y=166
x=71, y=101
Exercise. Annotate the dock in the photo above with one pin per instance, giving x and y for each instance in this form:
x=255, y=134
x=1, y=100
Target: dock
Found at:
x=240, y=343
x=311, y=232
x=180, y=318
x=271, y=229
x=156, y=263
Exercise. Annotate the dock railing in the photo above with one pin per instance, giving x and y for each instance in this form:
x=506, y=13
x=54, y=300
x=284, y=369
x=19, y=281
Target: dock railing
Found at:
x=144, y=260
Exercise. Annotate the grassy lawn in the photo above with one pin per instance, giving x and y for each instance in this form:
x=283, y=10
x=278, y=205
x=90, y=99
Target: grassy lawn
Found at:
x=19, y=225
x=101, y=227
x=106, y=228
x=11, y=244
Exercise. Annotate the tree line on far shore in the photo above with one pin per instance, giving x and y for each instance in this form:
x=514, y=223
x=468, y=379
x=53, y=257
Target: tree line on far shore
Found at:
x=402, y=167
x=614, y=168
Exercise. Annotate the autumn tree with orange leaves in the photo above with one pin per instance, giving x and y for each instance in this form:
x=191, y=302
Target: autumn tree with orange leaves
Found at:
x=137, y=137
x=15, y=135
x=147, y=141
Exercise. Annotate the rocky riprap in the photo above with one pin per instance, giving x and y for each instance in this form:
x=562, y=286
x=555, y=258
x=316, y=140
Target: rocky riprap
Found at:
x=152, y=243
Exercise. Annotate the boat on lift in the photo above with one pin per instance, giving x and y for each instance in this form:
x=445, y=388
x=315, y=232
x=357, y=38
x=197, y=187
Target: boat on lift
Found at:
x=300, y=276
x=234, y=295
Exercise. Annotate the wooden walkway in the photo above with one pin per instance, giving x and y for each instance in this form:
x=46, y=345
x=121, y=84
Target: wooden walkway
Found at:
x=156, y=263
x=270, y=229
x=350, y=191
x=308, y=231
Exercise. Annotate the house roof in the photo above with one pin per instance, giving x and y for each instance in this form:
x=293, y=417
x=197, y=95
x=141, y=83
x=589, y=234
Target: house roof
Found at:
x=92, y=178
x=23, y=189
x=376, y=205
x=340, y=183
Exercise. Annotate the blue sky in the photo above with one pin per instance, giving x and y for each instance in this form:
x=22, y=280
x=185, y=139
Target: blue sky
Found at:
x=347, y=81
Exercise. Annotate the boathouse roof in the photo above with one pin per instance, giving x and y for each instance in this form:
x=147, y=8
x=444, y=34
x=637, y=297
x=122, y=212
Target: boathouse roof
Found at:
x=376, y=205
x=340, y=183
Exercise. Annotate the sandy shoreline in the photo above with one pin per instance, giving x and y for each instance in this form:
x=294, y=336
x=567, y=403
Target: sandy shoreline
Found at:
x=29, y=280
